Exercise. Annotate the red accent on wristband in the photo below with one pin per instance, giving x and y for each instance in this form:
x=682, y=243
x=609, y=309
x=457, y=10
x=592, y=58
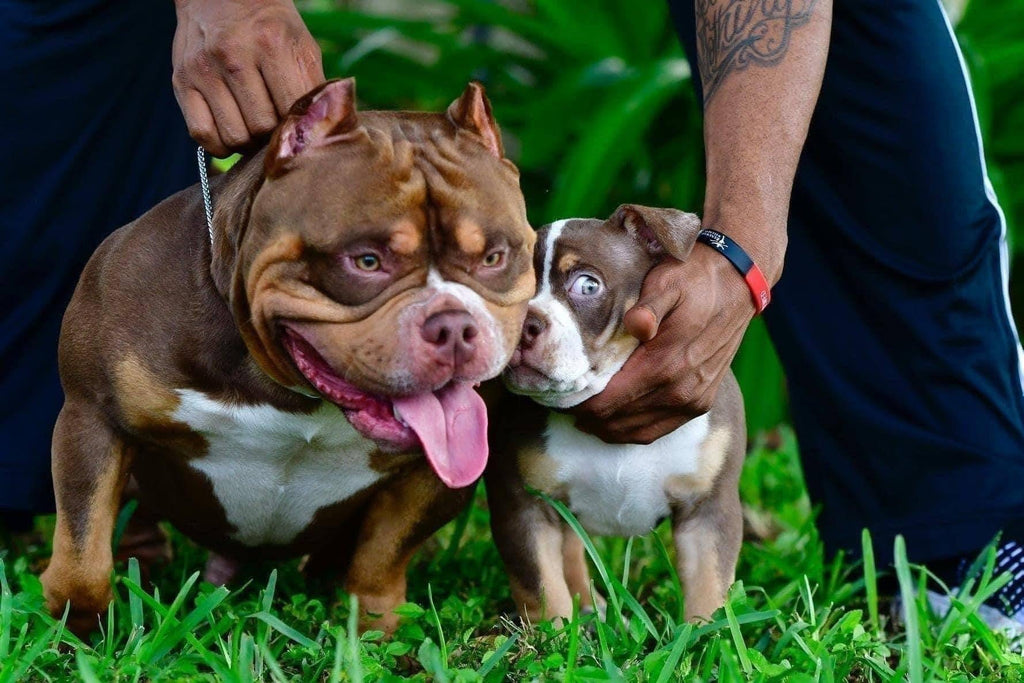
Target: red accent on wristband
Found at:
x=742, y=262
x=759, y=288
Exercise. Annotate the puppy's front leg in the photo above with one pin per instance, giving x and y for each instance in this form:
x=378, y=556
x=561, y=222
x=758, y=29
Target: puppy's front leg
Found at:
x=534, y=546
x=577, y=573
x=399, y=518
x=90, y=469
x=707, y=546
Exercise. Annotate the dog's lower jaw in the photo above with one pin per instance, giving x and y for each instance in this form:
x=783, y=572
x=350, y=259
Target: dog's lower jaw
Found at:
x=579, y=390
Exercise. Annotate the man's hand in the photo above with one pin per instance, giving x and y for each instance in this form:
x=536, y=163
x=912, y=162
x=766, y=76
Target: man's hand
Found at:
x=690, y=320
x=238, y=67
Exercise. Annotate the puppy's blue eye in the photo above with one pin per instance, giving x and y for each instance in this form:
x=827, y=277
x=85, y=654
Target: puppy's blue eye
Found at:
x=585, y=285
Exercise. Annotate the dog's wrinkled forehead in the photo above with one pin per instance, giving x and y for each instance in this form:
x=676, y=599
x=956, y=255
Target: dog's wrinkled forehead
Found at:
x=424, y=187
x=400, y=167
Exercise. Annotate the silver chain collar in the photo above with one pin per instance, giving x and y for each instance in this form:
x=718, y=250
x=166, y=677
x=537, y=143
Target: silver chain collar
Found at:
x=204, y=183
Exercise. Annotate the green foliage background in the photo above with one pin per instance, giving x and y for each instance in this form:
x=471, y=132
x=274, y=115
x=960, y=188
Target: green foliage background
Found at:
x=597, y=108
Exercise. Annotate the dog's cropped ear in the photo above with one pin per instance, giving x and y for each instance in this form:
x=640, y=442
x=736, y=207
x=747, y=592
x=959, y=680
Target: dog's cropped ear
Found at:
x=321, y=117
x=472, y=112
x=659, y=231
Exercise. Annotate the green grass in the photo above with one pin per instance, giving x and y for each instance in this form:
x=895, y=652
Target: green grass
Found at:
x=597, y=109
x=791, y=616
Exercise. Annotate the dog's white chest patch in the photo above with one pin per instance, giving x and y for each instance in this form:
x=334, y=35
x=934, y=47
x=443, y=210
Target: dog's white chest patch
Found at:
x=272, y=470
x=619, y=489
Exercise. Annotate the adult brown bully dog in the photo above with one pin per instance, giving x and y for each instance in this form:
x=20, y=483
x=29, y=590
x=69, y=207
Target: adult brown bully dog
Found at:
x=273, y=385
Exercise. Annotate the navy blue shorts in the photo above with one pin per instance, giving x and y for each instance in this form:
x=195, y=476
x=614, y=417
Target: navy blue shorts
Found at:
x=91, y=138
x=892, y=318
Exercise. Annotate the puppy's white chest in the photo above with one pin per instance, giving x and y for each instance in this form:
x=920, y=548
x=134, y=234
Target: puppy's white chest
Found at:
x=272, y=470
x=619, y=489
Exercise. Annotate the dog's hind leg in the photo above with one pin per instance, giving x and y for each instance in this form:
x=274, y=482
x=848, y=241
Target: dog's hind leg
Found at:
x=90, y=469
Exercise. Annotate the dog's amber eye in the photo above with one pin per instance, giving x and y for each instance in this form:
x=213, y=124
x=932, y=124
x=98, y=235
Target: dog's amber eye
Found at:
x=368, y=262
x=495, y=258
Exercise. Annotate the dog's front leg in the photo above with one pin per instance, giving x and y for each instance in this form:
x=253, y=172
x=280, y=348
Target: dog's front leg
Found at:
x=707, y=546
x=90, y=469
x=543, y=558
x=399, y=518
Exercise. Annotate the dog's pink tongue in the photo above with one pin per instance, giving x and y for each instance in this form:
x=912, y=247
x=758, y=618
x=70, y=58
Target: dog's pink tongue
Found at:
x=452, y=426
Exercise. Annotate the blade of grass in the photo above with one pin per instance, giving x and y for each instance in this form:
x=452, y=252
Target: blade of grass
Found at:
x=574, y=639
x=870, y=580
x=676, y=653
x=169, y=620
x=85, y=670
x=437, y=624
x=271, y=663
x=339, y=651
x=496, y=656
x=625, y=562
x=737, y=638
x=6, y=613
x=910, y=620
x=173, y=637
x=134, y=602
x=355, y=670
x=285, y=630
x=808, y=596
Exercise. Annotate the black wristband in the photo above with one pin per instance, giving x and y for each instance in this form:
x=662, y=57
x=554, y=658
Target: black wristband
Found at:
x=741, y=260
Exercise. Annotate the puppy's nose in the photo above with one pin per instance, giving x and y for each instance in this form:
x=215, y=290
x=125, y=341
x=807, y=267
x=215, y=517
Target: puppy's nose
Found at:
x=533, y=328
x=452, y=333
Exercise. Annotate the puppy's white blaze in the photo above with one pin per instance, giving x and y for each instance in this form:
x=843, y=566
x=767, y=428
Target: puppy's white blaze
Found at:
x=567, y=361
x=272, y=470
x=619, y=489
x=554, y=232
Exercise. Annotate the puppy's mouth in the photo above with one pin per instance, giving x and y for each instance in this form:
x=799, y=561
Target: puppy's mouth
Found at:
x=449, y=424
x=523, y=378
x=528, y=380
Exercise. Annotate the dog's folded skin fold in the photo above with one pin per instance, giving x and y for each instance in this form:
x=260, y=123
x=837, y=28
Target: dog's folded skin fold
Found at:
x=269, y=392
x=589, y=274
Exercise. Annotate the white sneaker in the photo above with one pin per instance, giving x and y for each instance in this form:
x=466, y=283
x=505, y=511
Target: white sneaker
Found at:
x=1013, y=626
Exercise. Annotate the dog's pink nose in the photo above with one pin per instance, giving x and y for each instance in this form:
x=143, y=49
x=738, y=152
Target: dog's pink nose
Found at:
x=453, y=334
x=534, y=327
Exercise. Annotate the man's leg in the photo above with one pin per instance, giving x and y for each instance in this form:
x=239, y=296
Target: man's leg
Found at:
x=92, y=137
x=891, y=317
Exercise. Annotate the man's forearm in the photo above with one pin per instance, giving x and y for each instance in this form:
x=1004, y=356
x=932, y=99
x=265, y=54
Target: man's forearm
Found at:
x=761, y=64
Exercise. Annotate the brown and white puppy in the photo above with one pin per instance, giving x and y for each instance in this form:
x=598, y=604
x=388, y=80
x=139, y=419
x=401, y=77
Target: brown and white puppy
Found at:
x=273, y=387
x=589, y=274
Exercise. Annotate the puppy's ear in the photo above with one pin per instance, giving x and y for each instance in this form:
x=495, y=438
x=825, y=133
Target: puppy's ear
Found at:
x=321, y=117
x=659, y=231
x=472, y=112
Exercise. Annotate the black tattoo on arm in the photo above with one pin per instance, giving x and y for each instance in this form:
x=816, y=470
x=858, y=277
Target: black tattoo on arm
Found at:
x=733, y=34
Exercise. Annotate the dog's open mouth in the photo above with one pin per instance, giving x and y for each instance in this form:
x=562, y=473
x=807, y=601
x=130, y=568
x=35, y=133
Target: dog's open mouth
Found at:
x=449, y=424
